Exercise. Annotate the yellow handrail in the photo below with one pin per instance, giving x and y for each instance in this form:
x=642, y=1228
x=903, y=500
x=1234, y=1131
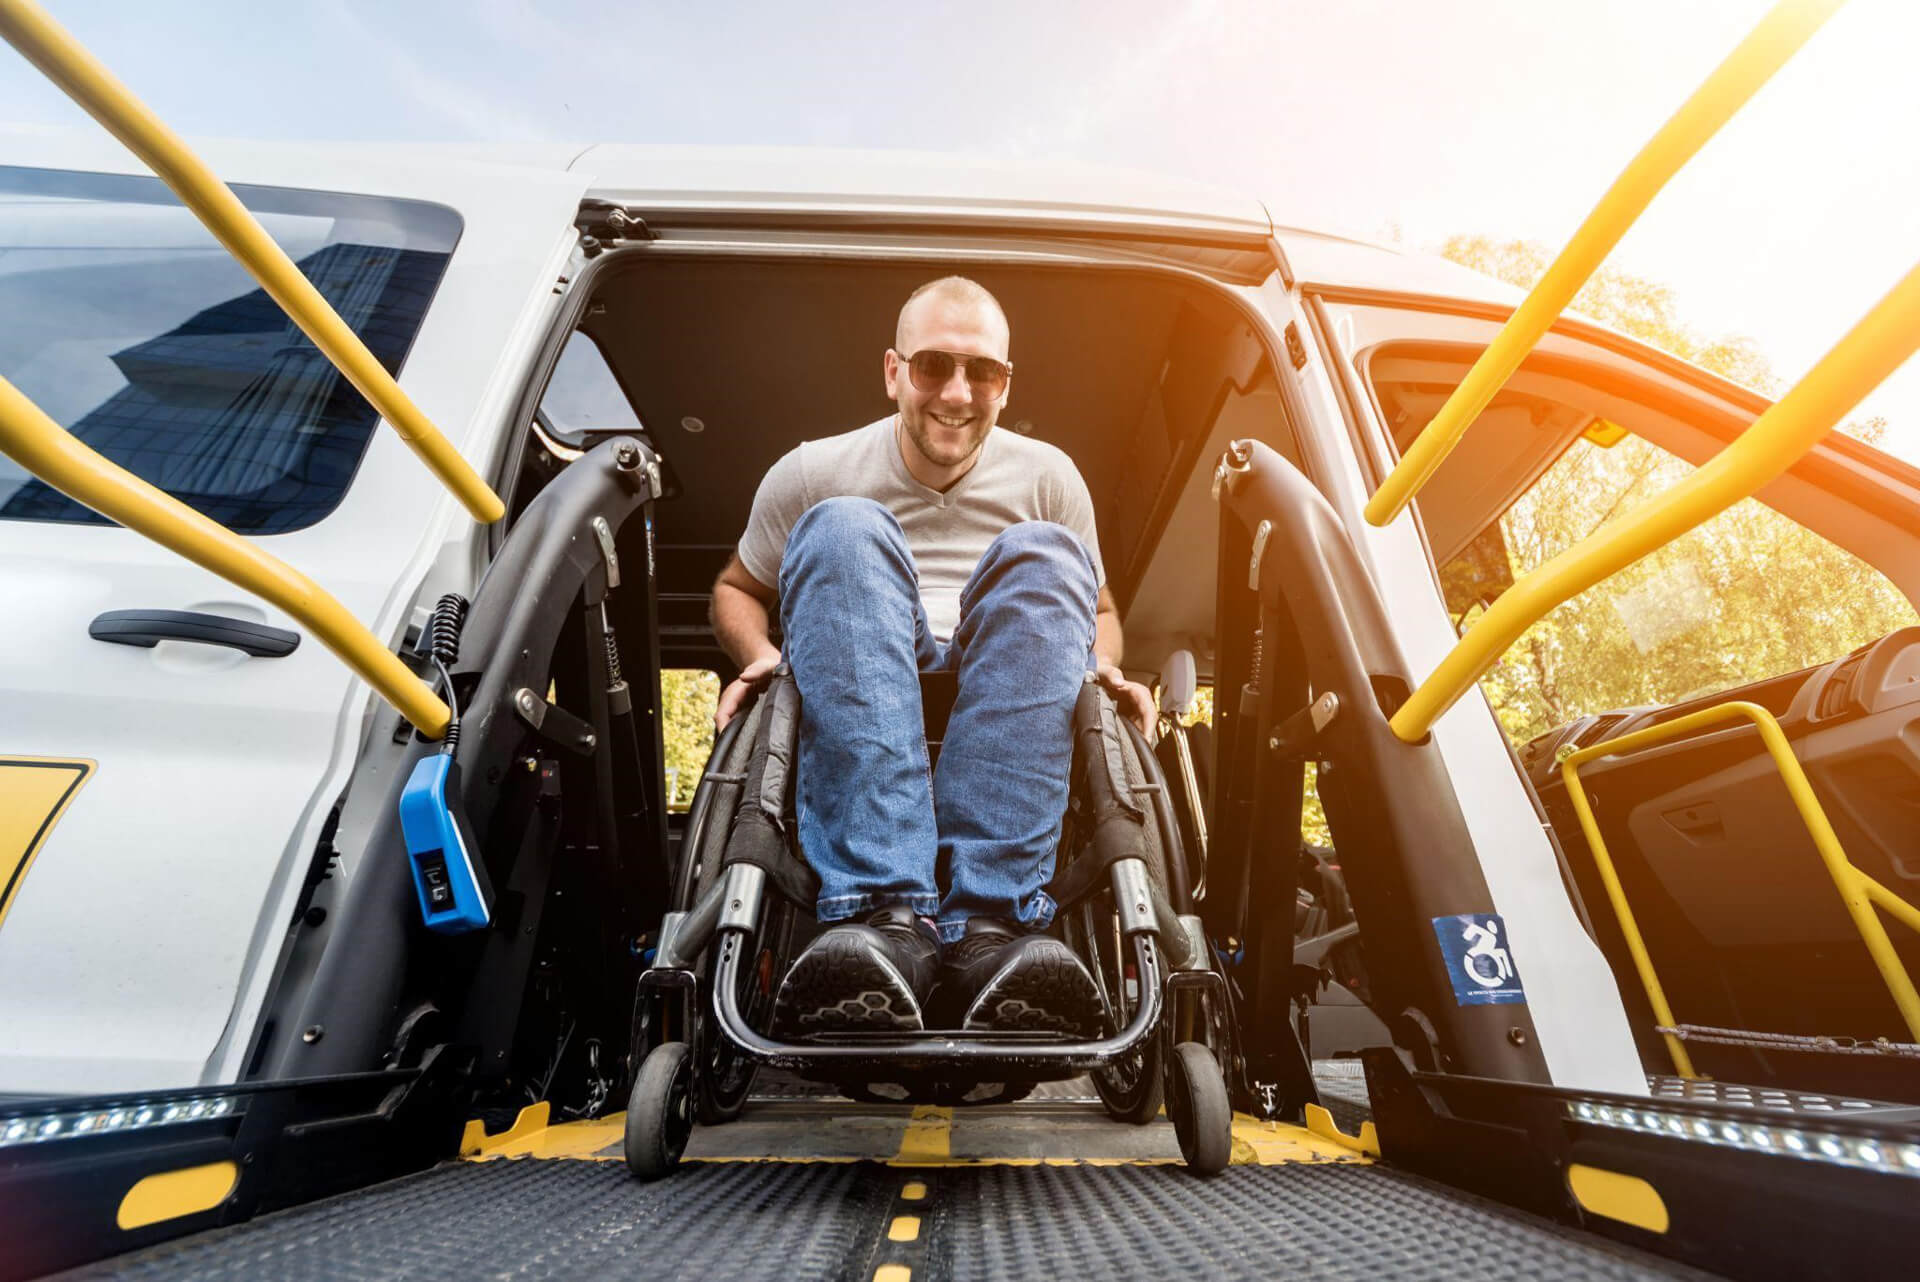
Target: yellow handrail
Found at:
x=1787, y=26
x=53, y=454
x=48, y=46
x=1873, y=349
x=1857, y=890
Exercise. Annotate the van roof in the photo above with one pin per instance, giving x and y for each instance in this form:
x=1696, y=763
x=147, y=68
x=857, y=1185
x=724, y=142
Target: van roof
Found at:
x=884, y=185
x=913, y=183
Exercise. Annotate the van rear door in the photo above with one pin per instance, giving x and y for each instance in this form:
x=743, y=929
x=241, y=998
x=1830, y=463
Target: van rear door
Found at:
x=146, y=897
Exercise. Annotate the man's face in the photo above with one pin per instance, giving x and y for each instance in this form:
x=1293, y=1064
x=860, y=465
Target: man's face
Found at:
x=948, y=423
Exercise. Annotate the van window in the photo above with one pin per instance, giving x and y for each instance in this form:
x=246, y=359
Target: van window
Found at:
x=583, y=396
x=124, y=320
x=1748, y=595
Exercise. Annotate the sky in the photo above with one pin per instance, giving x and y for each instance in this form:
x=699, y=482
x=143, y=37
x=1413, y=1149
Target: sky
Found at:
x=1398, y=120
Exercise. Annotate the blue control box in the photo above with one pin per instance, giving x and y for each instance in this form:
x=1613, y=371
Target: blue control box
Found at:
x=452, y=884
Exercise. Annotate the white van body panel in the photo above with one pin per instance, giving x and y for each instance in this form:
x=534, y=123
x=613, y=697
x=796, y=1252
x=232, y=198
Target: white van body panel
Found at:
x=138, y=948
x=226, y=767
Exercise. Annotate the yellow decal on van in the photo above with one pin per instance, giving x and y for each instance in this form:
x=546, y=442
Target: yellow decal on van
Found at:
x=34, y=792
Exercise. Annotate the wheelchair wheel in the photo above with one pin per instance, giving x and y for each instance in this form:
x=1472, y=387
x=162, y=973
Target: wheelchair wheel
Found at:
x=1132, y=1090
x=660, y=1111
x=1197, y=1103
x=722, y=1077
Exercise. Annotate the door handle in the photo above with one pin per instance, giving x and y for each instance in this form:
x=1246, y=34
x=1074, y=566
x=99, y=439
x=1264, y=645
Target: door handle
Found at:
x=149, y=627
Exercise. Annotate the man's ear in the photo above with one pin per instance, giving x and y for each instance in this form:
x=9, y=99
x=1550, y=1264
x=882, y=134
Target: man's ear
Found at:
x=890, y=372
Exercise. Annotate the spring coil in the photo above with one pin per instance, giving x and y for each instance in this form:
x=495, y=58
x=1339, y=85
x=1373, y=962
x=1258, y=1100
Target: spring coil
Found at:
x=613, y=650
x=441, y=643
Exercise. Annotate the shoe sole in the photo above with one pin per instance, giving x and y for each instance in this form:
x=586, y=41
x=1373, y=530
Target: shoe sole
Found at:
x=1050, y=993
x=840, y=985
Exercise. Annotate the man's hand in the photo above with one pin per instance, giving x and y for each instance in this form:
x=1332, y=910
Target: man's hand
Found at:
x=751, y=678
x=1135, y=700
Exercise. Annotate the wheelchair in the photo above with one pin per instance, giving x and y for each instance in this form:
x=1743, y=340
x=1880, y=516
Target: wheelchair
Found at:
x=742, y=908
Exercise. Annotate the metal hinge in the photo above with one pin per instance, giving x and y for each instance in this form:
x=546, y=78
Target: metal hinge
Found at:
x=555, y=724
x=601, y=221
x=1297, y=735
x=1296, y=349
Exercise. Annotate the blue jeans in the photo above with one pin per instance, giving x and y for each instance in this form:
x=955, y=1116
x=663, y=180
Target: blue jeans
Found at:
x=875, y=823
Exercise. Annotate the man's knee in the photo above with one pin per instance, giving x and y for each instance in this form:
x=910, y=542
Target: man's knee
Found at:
x=1045, y=543
x=853, y=542
x=845, y=517
x=843, y=532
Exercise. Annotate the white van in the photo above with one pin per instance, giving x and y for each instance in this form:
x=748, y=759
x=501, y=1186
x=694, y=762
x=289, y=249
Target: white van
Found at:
x=202, y=882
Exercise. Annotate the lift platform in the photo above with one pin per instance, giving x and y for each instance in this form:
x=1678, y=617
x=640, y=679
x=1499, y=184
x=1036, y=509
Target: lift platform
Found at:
x=809, y=1186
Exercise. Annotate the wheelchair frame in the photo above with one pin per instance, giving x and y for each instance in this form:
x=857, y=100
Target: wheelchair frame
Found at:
x=1168, y=948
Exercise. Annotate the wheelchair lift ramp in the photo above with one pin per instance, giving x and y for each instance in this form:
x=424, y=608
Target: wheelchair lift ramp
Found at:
x=954, y=1218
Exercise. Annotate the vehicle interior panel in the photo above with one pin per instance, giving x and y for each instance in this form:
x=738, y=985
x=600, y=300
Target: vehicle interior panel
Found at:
x=731, y=363
x=1744, y=924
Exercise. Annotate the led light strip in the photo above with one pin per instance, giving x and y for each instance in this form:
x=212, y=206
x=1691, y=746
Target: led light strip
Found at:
x=100, y=1121
x=1806, y=1143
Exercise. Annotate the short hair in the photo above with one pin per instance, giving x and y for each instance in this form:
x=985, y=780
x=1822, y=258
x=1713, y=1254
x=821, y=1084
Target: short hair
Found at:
x=955, y=289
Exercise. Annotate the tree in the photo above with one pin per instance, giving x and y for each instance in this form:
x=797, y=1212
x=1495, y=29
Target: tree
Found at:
x=688, y=697
x=1747, y=595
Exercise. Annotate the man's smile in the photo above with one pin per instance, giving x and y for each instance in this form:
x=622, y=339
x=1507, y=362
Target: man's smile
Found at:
x=949, y=420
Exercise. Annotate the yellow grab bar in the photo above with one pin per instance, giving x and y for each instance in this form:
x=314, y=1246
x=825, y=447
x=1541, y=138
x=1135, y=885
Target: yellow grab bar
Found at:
x=1873, y=349
x=1857, y=890
x=1787, y=26
x=48, y=46
x=53, y=454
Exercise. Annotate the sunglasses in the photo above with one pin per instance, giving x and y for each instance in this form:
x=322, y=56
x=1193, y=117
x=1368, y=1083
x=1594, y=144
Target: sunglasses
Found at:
x=931, y=370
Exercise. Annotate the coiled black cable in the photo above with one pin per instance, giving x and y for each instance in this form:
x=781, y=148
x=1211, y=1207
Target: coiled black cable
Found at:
x=440, y=642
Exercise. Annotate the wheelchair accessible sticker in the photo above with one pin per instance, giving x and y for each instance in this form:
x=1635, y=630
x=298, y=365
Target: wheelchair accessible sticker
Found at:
x=1478, y=960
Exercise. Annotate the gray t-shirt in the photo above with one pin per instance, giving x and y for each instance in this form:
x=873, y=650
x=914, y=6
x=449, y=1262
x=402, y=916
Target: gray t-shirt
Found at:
x=1015, y=479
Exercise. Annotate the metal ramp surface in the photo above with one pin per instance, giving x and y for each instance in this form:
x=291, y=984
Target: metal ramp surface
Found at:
x=821, y=1188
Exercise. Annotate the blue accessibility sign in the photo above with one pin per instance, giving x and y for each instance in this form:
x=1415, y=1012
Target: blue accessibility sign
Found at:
x=1479, y=957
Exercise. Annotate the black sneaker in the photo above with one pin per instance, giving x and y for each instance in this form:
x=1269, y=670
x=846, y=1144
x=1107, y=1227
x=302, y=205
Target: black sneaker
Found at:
x=998, y=977
x=872, y=976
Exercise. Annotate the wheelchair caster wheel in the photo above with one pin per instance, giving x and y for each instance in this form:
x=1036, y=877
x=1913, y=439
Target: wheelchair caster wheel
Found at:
x=660, y=1111
x=1197, y=1103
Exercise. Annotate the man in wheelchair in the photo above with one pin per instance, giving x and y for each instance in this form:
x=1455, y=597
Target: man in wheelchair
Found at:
x=928, y=542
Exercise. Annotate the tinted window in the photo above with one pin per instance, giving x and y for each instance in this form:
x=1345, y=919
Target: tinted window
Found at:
x=124, y=320
x=584, y=396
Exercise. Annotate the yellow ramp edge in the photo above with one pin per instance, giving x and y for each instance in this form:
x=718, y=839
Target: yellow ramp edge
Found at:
x=1320, y=1122
x=927, y=1141
x=1626, y=1198
x=172, y=1194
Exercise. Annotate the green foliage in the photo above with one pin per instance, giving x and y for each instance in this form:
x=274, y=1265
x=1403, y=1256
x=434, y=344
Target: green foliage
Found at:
x=1745, y=596
x=689, y=696
x=1313, y=819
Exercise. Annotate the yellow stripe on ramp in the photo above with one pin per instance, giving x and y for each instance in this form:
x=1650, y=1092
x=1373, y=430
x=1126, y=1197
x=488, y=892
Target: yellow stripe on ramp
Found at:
x=929, y=1137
